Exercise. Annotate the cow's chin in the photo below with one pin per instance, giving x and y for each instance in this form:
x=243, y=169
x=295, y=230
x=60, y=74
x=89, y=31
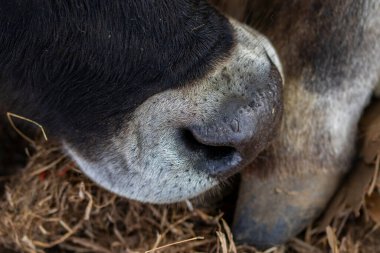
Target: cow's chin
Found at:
x=158, y=182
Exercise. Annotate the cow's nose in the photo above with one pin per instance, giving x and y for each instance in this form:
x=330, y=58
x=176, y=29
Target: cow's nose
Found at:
x=234, y=128
x=242, y=125
x=231, y=139
x=216, y=160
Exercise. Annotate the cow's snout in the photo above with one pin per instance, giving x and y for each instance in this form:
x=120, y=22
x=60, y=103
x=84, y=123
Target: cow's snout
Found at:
x=184, y=141
x=234, y=127
x=229, y=140
x=217, y=160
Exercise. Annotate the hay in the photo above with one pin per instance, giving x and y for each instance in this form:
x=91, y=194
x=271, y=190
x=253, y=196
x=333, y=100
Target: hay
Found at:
x=51, y=204
x=51, y=207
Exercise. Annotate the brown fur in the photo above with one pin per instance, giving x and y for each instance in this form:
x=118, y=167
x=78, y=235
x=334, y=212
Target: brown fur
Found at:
x=330, y=51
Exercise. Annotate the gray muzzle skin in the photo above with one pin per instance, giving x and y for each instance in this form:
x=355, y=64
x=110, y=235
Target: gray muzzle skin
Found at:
x=241, y=130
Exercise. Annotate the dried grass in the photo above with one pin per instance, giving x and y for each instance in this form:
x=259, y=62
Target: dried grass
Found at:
x=51, y=207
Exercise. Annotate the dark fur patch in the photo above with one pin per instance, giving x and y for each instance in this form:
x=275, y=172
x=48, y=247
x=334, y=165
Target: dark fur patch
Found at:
x=80, y=67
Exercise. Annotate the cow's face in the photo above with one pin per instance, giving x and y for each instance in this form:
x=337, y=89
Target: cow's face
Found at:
x=156, y=101
x=181, y=142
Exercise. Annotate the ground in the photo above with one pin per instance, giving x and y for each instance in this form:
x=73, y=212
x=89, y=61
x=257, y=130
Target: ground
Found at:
x=49, y=206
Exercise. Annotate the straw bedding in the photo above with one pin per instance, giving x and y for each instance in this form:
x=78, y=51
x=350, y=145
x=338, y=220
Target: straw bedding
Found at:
x=51, y=207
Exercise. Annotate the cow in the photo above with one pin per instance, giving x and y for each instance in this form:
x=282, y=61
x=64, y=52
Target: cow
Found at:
x=161, y=101
x=330, y=54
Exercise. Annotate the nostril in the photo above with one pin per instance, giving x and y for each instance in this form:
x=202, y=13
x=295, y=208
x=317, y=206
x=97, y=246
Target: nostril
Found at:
x=211, y=152
x=217, y=160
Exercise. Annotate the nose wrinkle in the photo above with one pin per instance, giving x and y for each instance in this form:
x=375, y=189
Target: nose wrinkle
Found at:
x=235, y=126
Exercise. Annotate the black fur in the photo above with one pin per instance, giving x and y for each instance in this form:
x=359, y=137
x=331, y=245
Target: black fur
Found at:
x=79, y=67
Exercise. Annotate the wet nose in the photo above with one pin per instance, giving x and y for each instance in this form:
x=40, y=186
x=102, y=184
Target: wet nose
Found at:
x=241, y=127
x=233, y=138
x=235, y=127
